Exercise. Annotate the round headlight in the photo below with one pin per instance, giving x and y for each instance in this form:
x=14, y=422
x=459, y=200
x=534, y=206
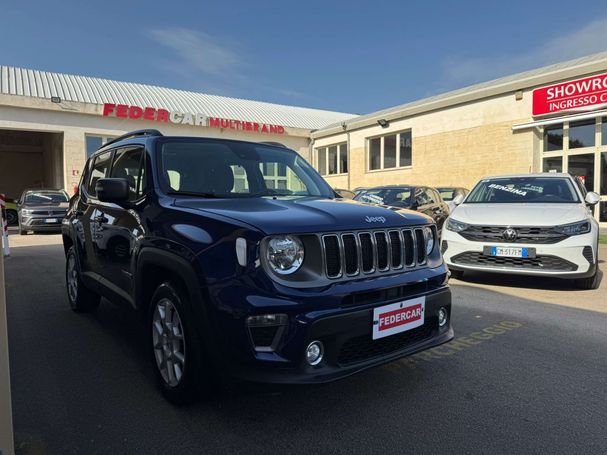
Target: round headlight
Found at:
x=285, y=254
x=429, y=235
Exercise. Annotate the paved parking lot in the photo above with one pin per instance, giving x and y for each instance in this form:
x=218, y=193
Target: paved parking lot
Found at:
x=527, y=373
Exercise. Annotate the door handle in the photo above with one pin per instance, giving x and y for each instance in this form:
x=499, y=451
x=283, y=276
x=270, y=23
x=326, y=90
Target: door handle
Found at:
x=101, y=219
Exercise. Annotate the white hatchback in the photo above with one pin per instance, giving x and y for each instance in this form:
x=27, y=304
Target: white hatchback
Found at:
x=534, y=224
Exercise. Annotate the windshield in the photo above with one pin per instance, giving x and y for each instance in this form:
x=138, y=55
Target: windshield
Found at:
x=45, y=197
x=237, y=170
x=395, y=197
x=447, y=193
x=524, y=189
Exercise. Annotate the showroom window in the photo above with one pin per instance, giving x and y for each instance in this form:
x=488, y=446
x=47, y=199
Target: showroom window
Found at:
x=553, y=138
x=580, y=149
x=333, y=159
x=581, y=134
x=390, y=151
x=93, y=143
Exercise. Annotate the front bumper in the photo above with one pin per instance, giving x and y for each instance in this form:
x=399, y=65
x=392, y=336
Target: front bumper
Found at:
x=573, y=257
x=40, y=223
x=343, y=326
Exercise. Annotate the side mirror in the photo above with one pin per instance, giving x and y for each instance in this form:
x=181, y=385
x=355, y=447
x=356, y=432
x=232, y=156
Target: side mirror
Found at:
x=414, y=204
x=592, y=198
x=458, y=199
x=112, y=190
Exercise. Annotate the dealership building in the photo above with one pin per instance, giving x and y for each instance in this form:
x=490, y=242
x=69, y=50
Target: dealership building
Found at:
x=50, y=123
x=550, y=119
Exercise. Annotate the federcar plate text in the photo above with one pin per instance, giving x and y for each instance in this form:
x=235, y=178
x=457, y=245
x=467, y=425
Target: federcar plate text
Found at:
x=398, y=317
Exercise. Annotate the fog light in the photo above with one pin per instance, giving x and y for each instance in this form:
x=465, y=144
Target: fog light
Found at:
x=314, y=353
x=442, y=317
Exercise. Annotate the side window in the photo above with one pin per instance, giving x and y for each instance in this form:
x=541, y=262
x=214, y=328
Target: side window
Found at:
x=128, y=164
x=99, y=170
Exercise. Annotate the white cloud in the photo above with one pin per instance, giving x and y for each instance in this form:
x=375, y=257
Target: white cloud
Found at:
x=199, y=51
x=587, y=40
x=213, y=64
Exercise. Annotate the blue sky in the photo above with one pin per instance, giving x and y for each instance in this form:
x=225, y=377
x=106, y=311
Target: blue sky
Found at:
x=345, y=56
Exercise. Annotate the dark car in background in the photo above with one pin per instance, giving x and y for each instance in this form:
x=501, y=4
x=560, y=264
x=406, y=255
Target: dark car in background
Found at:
x=242, y=279
x=422, y=199
x=42, y=210
x=449, y=193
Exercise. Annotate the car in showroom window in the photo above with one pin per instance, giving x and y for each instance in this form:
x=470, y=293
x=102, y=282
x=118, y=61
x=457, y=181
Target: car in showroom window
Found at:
x=538, y=224
x=246, y=264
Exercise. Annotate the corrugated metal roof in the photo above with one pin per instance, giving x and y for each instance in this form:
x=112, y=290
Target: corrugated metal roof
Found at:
x=92, y=90
x=534, y=78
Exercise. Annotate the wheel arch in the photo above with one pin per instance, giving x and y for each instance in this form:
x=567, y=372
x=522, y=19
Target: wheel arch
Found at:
x=155, y=266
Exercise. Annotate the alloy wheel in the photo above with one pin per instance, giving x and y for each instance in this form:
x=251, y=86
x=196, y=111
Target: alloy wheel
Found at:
x=72, y=278
x=169, y=342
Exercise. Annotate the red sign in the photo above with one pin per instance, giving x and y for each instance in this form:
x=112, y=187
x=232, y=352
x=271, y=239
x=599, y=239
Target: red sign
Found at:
x=399, y=317
x=240, y=125
x=579, y=95
x=124, y=111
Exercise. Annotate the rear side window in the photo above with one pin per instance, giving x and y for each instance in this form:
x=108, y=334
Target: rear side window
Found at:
x=128, y=164
x=99, y=170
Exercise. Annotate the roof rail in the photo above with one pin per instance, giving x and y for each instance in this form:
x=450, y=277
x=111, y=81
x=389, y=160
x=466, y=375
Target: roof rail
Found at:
x=149, y=132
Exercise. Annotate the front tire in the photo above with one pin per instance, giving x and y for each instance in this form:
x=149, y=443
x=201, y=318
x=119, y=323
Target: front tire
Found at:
x=80, y=298
x=457, y=274
x=176, y=347
x=592, y=282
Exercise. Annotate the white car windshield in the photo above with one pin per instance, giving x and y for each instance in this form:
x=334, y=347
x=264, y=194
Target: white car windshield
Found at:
x=524, y=189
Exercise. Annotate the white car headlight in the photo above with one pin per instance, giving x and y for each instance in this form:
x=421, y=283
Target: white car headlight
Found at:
x=26, y=211
x=430, y=240
x=456, y=226
x=581, y=227
x=285, y=254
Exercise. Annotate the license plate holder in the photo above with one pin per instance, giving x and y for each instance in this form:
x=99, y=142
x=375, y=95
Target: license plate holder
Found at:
x=509, y=251
x=51, y=220
x=398, y=317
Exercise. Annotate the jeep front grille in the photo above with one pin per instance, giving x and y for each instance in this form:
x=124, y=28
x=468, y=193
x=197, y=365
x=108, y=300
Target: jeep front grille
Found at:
x=355, y=253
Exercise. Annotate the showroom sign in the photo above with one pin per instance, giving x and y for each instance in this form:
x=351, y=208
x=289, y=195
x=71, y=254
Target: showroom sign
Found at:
x=187, y=118
x=579, y=95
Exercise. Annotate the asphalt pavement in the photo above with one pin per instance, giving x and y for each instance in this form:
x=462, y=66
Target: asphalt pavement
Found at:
x=527, y=373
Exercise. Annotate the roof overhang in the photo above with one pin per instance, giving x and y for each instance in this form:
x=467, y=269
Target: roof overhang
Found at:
x=561, y=119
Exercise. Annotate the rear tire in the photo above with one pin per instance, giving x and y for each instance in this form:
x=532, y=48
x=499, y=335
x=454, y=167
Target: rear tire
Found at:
x=80, y=298
x=181, y=369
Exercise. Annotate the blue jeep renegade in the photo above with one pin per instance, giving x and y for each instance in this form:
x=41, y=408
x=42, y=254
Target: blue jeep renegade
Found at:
x=246, y=264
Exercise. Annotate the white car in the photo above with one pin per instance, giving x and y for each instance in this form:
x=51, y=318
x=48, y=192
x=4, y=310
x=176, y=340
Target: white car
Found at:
x=534, y=224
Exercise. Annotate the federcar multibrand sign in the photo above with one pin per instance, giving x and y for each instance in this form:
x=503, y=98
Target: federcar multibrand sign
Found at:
x=579, y=95
x=187, y=118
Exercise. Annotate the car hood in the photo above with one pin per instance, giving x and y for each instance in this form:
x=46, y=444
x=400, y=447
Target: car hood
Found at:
x=519, y=214
x=283, y=215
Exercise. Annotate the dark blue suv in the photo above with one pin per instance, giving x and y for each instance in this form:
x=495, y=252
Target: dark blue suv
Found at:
x=246, y=264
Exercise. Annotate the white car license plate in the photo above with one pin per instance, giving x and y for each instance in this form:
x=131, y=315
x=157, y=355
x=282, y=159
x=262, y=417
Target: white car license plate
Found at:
x=398, y=317
x=51, y=220
x=509, y=251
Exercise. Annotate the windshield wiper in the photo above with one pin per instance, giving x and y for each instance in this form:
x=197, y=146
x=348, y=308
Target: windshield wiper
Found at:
x=194, y=193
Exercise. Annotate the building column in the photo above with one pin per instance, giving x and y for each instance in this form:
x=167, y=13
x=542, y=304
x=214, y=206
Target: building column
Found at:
x=74, y=158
